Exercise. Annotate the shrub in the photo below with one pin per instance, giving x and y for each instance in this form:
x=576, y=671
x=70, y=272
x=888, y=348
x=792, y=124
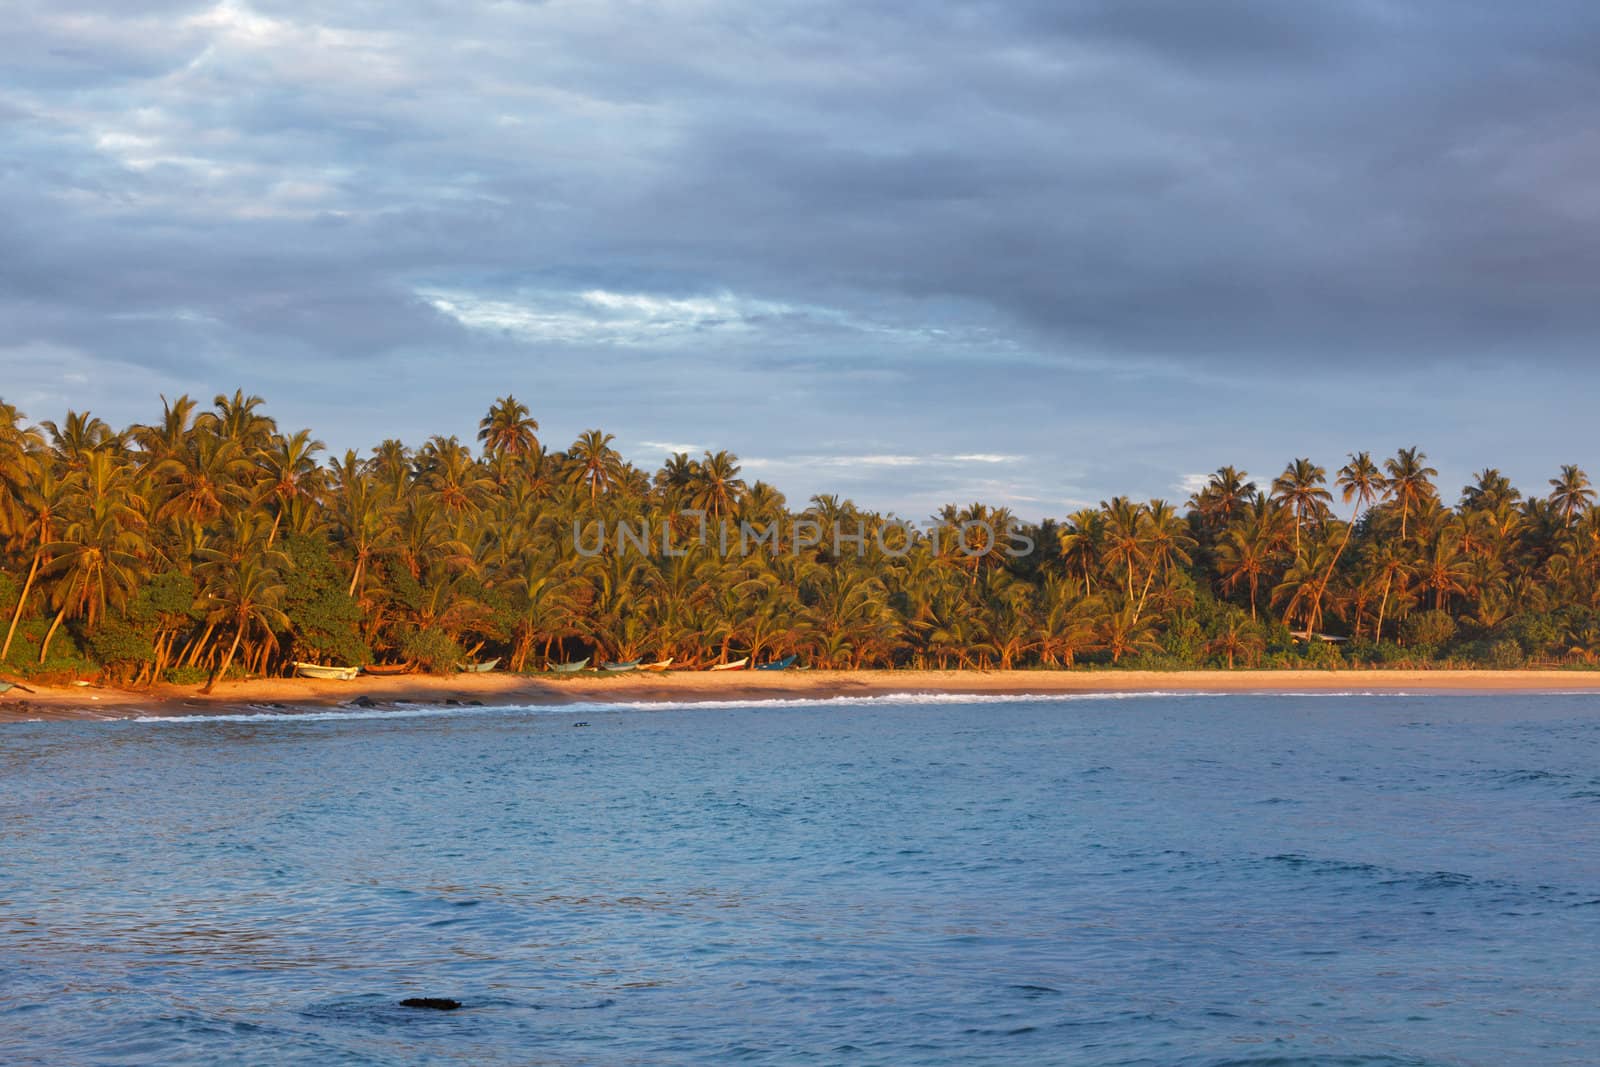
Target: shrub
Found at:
x=184, y=675
x=433, y=650
x=1505, y=654
x=1426, y=632
x=325, y=619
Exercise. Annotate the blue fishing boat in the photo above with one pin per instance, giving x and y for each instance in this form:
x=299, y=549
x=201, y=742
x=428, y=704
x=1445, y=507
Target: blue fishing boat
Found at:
x=778, y=664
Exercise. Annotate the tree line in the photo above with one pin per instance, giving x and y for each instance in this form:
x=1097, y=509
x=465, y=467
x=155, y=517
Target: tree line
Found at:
x=210, y=543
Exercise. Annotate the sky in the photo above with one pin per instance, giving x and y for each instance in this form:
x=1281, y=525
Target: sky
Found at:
x=1033, y=253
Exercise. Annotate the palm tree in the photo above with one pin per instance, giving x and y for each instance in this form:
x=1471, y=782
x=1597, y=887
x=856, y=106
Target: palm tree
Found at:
x=289, y=475
x=1082, y=543
x=716, y=485
x=1409, y=482
x=101, y=549
x=1300, y=488
x=1222, y=497
x=509, y=429
x=245, y=595
x=595, y=464
x=1249, y=548
x=46, y=498
x=1570, y=492
x=1237, y=637
x=1489, y=490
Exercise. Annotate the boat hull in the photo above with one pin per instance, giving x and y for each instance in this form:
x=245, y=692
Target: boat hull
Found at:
x=326, y=674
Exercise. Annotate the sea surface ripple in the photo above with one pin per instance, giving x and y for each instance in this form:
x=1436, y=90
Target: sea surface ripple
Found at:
x=1196, y=881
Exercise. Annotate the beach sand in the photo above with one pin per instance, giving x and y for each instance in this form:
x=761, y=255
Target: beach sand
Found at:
x=289, y=694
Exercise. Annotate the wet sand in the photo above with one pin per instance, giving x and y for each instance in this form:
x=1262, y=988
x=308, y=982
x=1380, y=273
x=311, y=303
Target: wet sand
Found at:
x=288, y=694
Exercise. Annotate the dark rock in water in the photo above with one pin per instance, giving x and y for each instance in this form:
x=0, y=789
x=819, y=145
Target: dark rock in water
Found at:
x=580, y=724
x=452, y=703
x=431, y=1003
x=474, y=703
x=363, y=702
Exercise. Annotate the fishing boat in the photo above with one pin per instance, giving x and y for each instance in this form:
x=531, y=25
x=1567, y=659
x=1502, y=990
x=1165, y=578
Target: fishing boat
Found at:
x=778, y=664
x=660, y=665
x=6, y=687
x=736, y=665
x=478, y=668
x=327, y=674
x=630, y=665
x=570, y=668
x=385, y=669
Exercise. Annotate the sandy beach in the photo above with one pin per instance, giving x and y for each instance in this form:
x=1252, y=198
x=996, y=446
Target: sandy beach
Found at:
x=288, y=694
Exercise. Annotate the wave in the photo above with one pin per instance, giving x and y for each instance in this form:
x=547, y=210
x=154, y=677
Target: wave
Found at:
x=403, y=710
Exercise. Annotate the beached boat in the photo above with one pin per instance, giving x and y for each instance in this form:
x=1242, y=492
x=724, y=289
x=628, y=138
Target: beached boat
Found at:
x=327, y=674
x=570, y=668
x=6, y=687
x=659, y=665
x=478, y=668
x=778, y=664
x=630, y=665
x=386, y=669
x=736, y=665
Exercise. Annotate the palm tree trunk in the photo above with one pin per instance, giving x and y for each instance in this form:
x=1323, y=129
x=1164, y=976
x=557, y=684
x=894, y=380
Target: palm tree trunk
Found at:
x=1383, y=604
x=227, y=661
x=194, y=650
x=22, y=599
x=44, y=649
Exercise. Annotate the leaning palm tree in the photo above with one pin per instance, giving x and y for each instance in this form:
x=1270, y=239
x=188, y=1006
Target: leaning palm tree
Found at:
x=46, y=499
x=246, y=596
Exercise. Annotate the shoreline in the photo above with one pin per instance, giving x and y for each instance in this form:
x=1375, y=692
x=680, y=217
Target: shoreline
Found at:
x=291, y=694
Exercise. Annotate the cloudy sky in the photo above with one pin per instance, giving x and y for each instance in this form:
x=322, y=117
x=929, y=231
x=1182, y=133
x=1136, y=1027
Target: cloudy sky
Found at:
x=1032, y=252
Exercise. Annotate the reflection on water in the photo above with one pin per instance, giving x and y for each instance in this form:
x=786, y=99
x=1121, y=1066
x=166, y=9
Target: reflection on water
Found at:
x=1207, y=881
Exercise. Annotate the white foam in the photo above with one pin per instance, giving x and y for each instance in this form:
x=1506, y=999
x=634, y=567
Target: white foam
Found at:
x=906, y=699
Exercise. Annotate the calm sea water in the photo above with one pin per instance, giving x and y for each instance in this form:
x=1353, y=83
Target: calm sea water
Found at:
x=1152, y=880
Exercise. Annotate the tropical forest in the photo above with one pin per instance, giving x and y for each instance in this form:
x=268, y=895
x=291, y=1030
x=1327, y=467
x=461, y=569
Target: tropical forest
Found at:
x=211, y=543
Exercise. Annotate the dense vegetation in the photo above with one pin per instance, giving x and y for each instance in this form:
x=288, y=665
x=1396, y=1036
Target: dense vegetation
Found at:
x=210, y=543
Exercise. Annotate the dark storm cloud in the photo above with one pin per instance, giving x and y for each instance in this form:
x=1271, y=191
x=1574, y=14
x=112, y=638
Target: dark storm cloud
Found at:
x=1189, y=192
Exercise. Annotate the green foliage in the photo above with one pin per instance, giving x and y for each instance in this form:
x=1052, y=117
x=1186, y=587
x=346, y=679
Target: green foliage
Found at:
x=185, y=675
x=167, y=598
x=432, y=649
x=1505, y=654
x=122, y=645
x=1540, y=635
x=324, y=618
x=211, y=540
x=1427, y=632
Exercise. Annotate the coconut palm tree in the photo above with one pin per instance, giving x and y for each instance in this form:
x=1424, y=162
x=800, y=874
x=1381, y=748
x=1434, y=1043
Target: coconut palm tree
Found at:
x=245, y=595
x=1571, y=493
x=1409, y=483
x=716, y=486
x=509, y=429
x=1301, y=488
x=596, y=466
x=46, y=499
x=1237, y=637
x=99, y=555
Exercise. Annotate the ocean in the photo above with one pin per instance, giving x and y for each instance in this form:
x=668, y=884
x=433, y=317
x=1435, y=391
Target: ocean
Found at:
x=1159, y=879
